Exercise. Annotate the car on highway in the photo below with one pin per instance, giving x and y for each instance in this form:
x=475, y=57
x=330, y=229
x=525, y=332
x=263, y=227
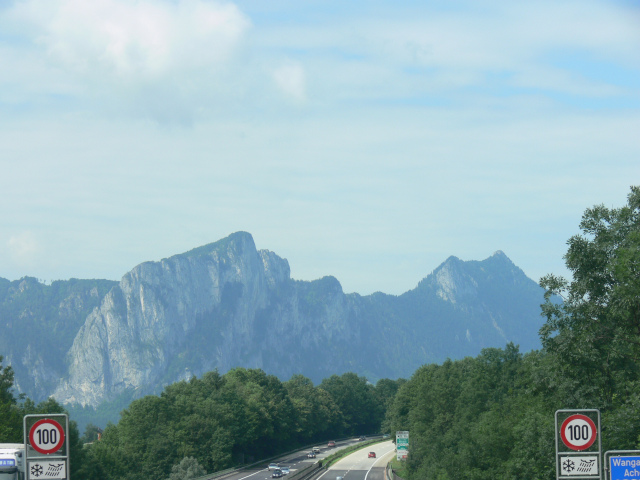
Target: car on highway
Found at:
x=277, y=473
x=311, y=455
x=331, y=444
x=362, y=437
x=273, y=466
x=284, y=470
x=372, y=454
x=316, y=449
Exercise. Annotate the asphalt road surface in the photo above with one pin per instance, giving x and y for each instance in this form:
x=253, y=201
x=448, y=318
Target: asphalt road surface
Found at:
x=358, y=465
x=295, y=461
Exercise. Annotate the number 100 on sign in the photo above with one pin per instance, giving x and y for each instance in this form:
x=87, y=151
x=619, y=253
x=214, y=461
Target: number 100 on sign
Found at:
x=578, y=432
x=46, y=436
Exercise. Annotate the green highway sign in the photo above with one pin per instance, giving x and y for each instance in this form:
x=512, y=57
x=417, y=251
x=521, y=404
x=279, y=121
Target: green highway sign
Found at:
x=402, y=445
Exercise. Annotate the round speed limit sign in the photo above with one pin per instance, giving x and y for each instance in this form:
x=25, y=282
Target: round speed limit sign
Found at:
x=578, y=432
x=46, y=436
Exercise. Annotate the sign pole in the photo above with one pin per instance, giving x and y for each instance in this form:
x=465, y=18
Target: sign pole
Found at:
x=46, y=441
x=578, y=445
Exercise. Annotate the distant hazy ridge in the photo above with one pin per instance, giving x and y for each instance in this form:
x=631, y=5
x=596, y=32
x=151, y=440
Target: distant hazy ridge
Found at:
x=226, y=305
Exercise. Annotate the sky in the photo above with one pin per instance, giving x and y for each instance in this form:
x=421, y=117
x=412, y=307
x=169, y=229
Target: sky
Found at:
x=368, y=140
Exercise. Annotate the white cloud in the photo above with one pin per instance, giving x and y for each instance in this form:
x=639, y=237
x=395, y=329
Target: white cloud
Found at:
x=290, y=79
x=146, y=58
x=532, y=44
x=140, y=40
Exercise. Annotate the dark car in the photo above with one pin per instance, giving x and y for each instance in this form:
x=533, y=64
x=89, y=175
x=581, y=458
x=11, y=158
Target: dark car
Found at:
x=311, y=455
x=362, y=437
x=372, y=454
x=276, y=474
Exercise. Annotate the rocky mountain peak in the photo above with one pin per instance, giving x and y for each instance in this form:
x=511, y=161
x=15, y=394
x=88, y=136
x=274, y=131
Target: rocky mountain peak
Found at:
x=226, y=304
x=452, y=282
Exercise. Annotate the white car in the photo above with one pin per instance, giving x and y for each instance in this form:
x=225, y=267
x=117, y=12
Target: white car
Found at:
x=285, y=470
x=273, y=466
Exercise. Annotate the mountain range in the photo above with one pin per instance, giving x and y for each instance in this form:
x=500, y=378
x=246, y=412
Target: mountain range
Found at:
x=227, y=305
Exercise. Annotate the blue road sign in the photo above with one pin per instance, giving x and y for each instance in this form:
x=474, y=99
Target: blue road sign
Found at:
x=624, y=468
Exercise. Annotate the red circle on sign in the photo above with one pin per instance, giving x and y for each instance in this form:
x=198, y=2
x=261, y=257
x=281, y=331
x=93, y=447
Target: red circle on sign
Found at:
x=570, y=440
x=44, y=436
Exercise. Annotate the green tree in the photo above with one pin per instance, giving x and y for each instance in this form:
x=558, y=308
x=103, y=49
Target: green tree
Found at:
x=356, y=399
x=10, y=414
x=6, y=384
x=595, y=331
x=317, y=415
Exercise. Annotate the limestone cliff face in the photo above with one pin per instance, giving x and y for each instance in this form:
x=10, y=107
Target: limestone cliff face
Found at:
x=144, y=322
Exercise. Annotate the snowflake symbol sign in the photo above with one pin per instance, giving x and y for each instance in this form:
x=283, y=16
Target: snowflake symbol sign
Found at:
x=36, y=470
x=569, y=465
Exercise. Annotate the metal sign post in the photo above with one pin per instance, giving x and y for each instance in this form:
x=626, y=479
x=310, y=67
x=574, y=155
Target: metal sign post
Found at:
x=578, y=445
x=46, y=440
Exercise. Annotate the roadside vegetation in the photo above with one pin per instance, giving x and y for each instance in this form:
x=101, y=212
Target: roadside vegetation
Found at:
x=214, y=422
x=493, y=416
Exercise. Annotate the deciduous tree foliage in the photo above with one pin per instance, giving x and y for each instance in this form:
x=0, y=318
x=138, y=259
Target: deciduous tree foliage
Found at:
x=595, y=331
x=222, y=421
x=493, y=416
x=361, y=409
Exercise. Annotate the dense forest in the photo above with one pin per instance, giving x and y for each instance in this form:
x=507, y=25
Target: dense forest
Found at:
x=215, y=422
x=493, y=416
x=479, y=418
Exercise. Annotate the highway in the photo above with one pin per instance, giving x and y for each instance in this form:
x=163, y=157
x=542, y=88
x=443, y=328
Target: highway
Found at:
x=358, y=466
x=354, y=467
x=295, y=461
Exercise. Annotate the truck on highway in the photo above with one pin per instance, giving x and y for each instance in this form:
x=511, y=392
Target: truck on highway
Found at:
x=12, y=460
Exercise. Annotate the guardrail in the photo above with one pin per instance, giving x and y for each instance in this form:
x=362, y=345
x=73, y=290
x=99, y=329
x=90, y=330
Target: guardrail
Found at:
x=230, y=471
x=308, y=473
x=316, y=469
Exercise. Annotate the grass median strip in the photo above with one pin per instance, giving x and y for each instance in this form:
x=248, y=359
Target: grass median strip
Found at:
x=333, y=458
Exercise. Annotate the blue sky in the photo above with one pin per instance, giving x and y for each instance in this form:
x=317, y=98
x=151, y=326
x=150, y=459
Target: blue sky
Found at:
x=368, y=140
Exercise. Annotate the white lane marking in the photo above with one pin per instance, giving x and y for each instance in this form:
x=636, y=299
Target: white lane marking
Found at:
x=374, y=463
x=367, y=474
x=259, y=471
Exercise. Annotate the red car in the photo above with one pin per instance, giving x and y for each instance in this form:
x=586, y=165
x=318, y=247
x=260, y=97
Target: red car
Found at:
x=331, y=444
x=372, y=454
